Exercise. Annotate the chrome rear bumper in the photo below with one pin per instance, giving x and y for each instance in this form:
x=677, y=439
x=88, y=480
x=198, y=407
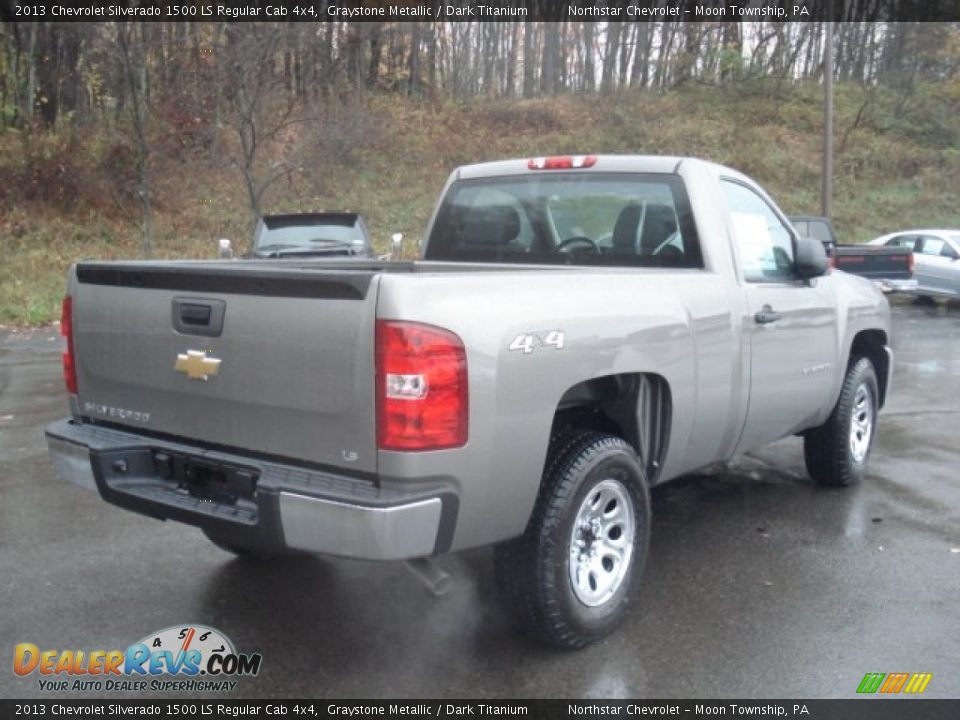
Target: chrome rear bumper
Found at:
x=291, y=508
x=904, y=286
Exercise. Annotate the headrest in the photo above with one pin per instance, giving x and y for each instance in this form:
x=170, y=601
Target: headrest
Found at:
x=625, y=229
x=659, y=223
x=491, y=225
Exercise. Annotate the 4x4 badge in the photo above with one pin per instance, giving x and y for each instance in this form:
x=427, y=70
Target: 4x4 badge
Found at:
x=197, y=365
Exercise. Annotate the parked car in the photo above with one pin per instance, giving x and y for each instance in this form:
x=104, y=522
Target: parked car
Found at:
x=889, y=268
x=329, y=234
x=579, y=330
x=936, y=259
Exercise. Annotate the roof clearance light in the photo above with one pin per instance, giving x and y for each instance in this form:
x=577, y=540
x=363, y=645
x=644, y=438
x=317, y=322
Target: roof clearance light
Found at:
x=562, y=162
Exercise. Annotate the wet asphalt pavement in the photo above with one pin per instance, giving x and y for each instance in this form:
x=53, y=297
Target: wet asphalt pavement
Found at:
x=758, y=584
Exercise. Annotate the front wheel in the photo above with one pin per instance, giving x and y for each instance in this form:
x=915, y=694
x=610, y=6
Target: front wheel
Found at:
x=571, y=577
x=836, y=452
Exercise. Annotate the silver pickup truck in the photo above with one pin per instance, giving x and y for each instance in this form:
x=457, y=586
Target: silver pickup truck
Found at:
x=578, y=330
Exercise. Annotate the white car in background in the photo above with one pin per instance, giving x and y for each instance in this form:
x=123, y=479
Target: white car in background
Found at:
x=936, y=257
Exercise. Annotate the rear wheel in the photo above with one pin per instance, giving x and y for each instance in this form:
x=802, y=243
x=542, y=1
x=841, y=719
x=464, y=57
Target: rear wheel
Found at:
x=836, y=452
x=573, y=575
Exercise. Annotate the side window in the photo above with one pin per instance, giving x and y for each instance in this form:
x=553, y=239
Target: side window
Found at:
x=902, y=241
x=932, y=245
x=764, y=242
x=948, y=251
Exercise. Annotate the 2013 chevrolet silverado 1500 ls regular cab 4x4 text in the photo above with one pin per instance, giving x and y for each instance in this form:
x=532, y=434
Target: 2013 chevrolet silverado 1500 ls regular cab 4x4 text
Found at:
x=578, y=330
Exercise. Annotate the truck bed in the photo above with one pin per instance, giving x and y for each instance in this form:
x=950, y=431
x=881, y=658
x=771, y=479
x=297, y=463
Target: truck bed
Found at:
x=874, y=263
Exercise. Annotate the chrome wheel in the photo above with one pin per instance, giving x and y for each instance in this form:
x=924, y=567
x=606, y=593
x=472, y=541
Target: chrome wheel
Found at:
x=861, y=423
x=601, y=543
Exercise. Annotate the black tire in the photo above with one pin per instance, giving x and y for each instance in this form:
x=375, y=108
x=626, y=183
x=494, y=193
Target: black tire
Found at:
x=535, y=570
x=828, y=450
x=241, y=551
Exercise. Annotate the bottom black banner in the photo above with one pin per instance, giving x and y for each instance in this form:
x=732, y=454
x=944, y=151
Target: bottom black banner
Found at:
x=868, y=709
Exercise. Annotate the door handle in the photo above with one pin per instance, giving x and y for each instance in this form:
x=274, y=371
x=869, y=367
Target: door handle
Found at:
x=195, y=314
x=767, y=315
x=198, y=316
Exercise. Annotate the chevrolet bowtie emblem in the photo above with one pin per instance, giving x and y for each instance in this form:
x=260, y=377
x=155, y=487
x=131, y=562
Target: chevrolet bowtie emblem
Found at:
x=197, y=365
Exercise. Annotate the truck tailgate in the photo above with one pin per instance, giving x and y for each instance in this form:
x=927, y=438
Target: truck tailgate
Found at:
x=295, y=376
x=874, y=263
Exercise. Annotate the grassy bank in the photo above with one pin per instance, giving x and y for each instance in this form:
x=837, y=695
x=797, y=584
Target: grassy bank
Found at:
x=68, y=195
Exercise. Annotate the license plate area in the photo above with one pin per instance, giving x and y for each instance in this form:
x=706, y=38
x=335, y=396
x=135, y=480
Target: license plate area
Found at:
x=222, y=483
x=173, y=485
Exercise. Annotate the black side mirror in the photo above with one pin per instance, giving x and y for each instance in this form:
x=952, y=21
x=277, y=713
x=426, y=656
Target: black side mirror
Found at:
x=811, y=258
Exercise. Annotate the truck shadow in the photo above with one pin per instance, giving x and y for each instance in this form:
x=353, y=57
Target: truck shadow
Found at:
x=717, y=552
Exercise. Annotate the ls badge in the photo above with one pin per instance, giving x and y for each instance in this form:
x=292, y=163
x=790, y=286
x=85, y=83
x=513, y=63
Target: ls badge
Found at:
x=197, y=365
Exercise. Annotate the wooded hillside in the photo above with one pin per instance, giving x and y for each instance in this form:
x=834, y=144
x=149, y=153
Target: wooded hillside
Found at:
x=154, y=139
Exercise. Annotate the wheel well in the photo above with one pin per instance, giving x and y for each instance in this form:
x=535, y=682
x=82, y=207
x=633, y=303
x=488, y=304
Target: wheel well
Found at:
x=631, y=406
x=871, y=344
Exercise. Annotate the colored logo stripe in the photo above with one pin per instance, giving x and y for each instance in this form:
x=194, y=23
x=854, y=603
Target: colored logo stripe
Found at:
x=918, y=683
x=894, y=683
x=871, y=682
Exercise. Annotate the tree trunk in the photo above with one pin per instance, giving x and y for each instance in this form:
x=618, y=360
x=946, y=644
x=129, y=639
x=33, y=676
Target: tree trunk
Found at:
x=610, y=56
x=551, y=59
x=376, y=53
x=30, y=95
x=413, y=86
x=589, y=68
x=529, y=62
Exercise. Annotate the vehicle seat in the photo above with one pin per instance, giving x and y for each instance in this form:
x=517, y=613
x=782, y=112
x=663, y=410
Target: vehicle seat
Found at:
x=659, y=223
x=671, y=255
x=490, y=226
x=625, y=230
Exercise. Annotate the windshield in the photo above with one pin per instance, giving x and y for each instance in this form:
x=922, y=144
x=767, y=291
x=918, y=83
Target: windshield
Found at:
x=308, y=234
x=568, y=219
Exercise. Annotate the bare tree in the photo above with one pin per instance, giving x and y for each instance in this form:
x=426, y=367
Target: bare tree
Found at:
x=131, y=40
x=259, y=113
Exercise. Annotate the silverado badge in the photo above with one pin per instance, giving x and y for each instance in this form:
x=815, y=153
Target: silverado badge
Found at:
x=197, y=365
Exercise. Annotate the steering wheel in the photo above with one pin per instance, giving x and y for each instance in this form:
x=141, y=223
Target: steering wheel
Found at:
x=581, y=239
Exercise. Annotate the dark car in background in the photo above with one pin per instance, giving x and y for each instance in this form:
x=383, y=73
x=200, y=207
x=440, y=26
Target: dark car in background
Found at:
x=326, y=234
x=889, y=267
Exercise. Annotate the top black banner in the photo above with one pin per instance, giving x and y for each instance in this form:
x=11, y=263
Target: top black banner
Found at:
x=483, y=10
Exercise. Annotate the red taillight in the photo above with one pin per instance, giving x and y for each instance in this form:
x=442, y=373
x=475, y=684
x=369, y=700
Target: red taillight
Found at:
x=910, y=263
x=563, y=162
x=421, y=387
x=66, y=329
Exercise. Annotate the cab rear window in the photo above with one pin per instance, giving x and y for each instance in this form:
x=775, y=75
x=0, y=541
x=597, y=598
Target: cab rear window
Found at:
x=569, y=218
